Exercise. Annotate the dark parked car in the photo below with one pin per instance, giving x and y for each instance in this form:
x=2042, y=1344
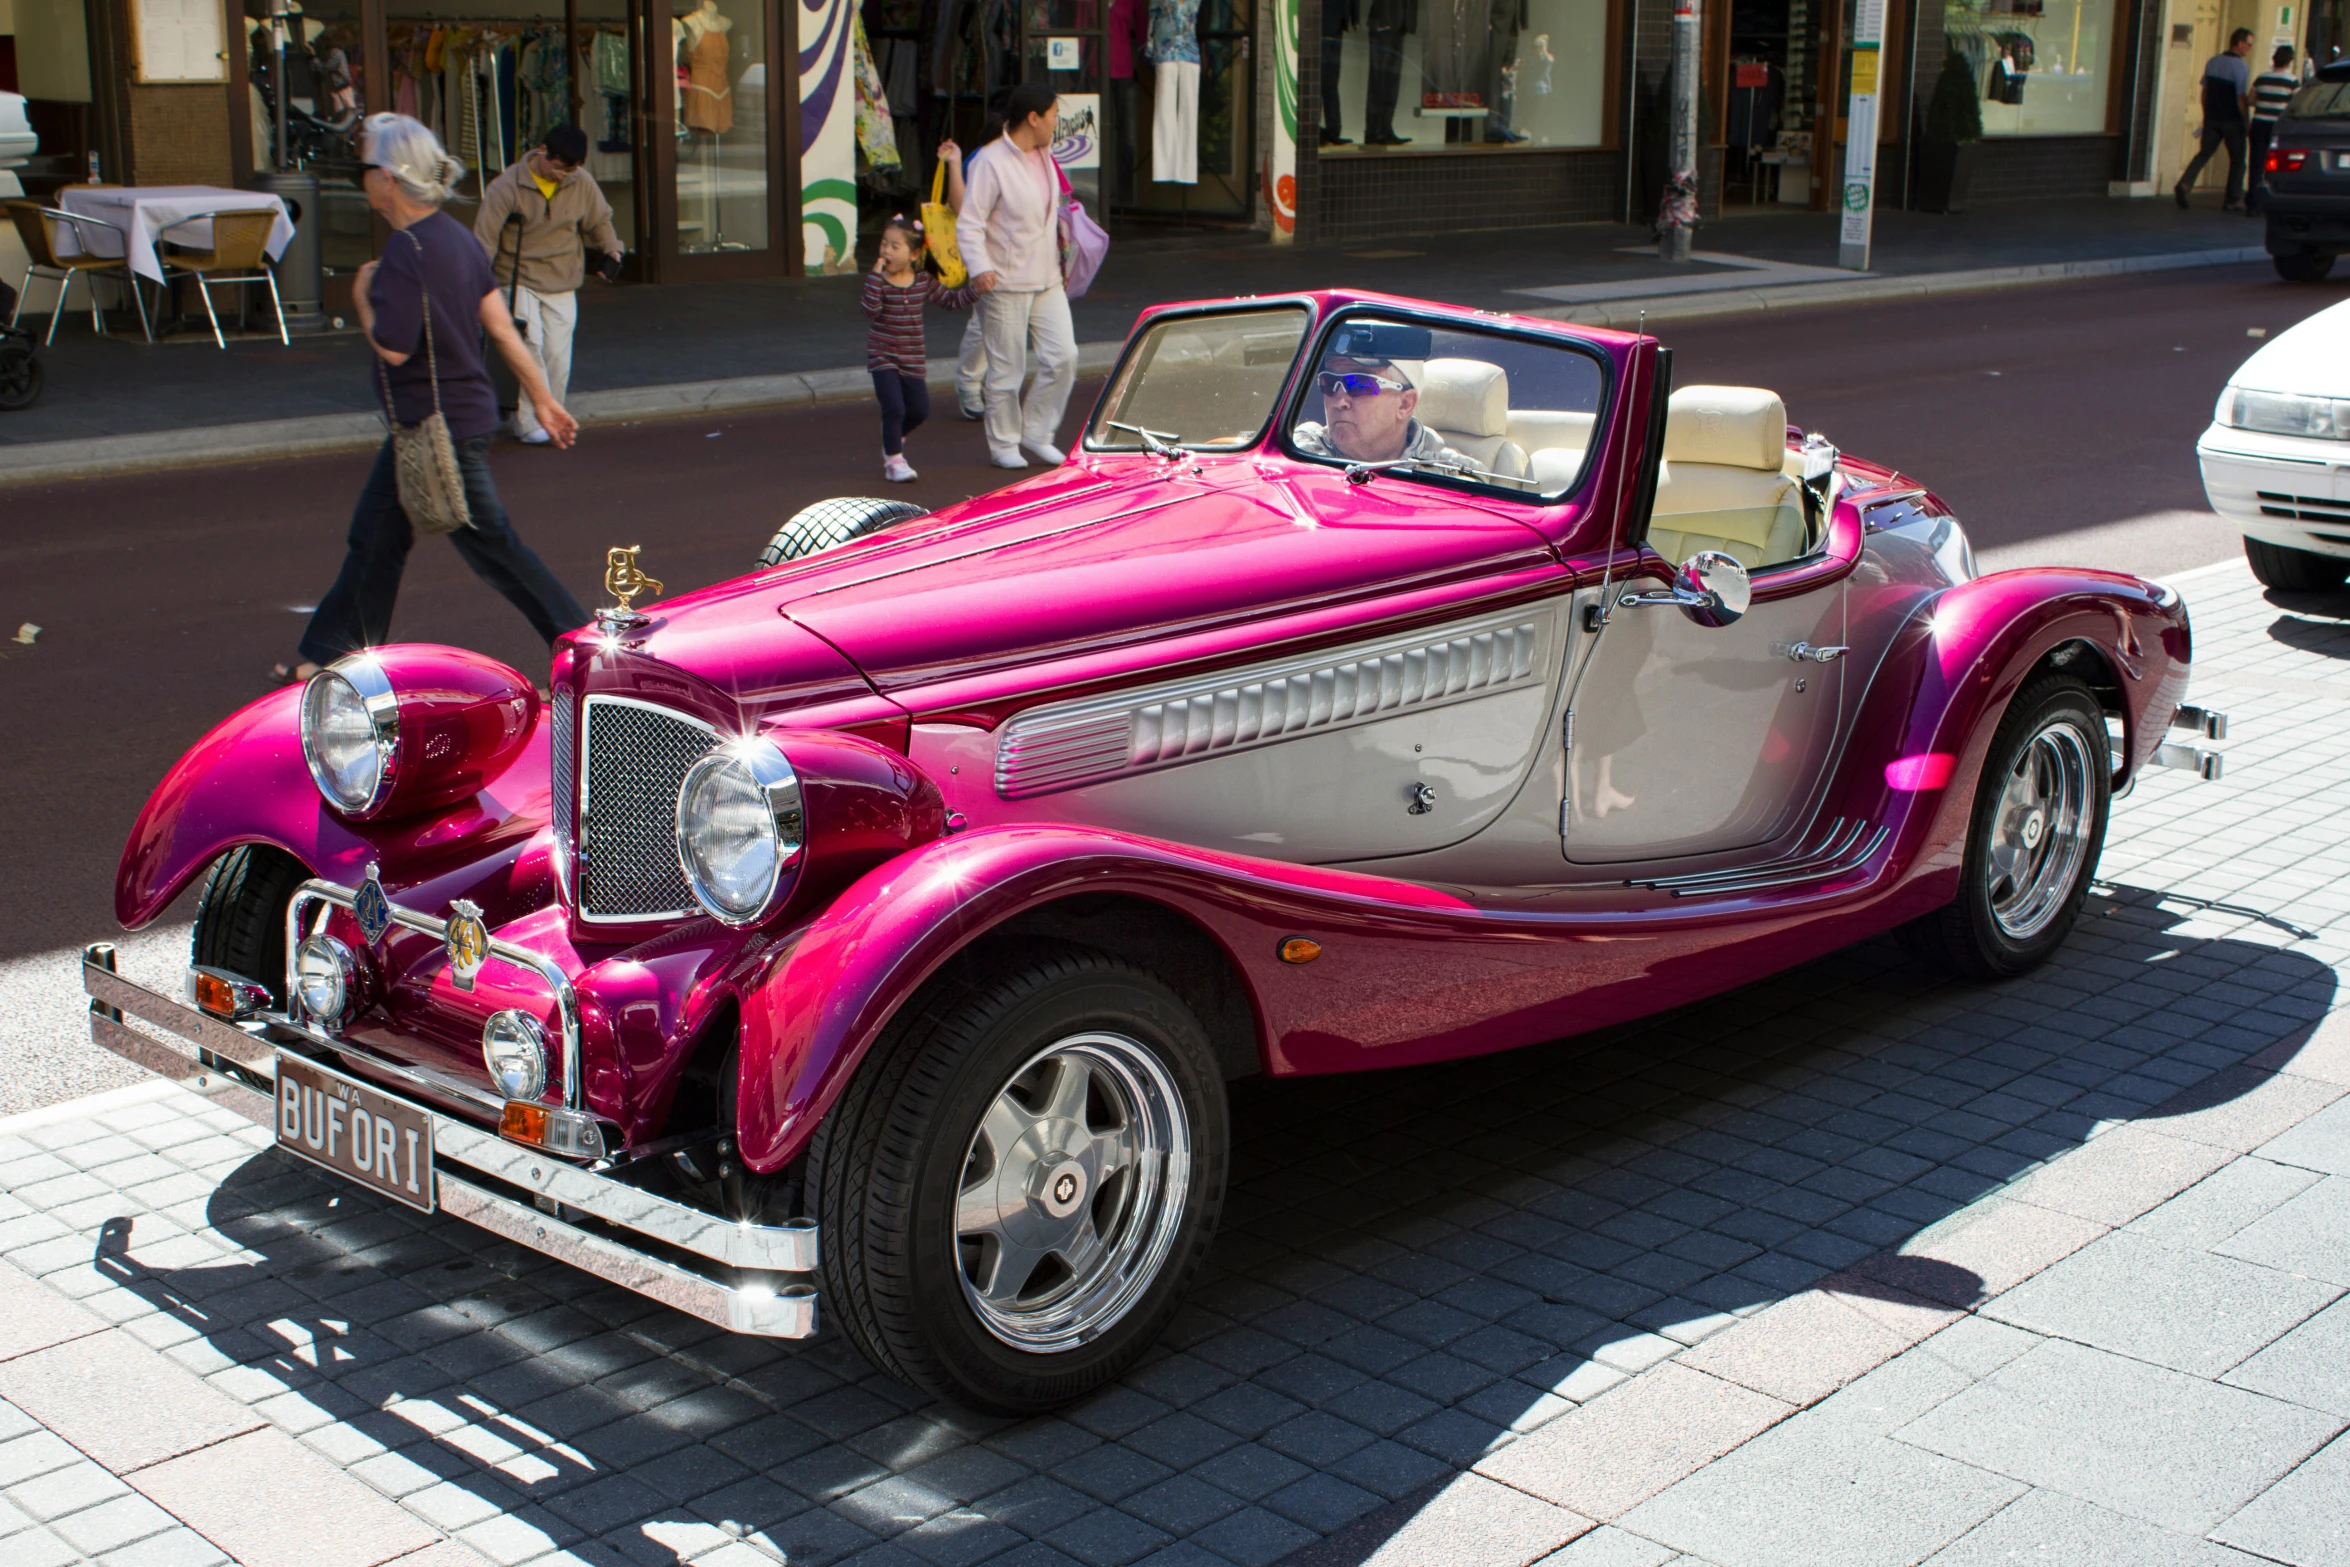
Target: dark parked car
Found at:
x=2307, y=201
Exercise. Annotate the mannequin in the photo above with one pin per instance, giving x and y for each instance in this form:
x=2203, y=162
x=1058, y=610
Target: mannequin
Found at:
x=704, y=91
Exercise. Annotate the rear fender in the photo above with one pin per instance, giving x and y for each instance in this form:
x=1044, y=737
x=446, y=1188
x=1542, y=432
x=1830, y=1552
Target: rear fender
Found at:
x=246, y=782
x=1926, y=726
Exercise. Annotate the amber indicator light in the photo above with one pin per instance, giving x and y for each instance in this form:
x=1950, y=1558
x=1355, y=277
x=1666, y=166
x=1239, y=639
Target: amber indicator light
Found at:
x=214, y=995
x=525, y=1123
x=1300, y=949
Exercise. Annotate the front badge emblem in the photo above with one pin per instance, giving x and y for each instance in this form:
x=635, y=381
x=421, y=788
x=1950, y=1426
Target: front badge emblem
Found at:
x=370, y=907
x=468, y=943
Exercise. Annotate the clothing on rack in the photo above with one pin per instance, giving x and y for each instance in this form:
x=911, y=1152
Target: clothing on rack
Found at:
x=877, y=136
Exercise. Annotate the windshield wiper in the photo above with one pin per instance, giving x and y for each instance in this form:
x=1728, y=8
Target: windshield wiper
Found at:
x=1159, y=443
x=1459, y=468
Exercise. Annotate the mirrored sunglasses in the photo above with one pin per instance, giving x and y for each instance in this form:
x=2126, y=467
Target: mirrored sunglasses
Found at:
x=1331, y=383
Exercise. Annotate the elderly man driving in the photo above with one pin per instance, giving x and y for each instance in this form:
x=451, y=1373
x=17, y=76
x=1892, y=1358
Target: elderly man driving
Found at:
x=1367, y=404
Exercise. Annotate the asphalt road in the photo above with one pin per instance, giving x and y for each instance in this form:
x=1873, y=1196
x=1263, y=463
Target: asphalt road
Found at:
x=2059, y=422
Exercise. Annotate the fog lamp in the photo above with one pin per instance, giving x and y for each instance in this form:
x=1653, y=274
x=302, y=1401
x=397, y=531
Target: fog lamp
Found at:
x=325, y=975
x=514, y=1048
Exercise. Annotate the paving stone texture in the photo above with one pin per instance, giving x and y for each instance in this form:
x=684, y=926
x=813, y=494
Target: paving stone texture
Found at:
x=1858, y=1266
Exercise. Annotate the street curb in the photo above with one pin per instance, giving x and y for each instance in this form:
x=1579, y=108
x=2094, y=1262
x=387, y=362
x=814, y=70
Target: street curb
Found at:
x=49, y=462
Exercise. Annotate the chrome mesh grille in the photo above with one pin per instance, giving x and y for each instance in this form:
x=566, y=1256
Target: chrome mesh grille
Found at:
x=563, y=782
x=634, y=758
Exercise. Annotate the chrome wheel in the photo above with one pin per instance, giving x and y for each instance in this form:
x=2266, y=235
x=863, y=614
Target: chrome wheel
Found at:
x=1072, y=1191
x=2040, y=829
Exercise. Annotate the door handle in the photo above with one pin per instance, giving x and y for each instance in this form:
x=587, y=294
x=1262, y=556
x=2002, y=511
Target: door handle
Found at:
x=1805, y=653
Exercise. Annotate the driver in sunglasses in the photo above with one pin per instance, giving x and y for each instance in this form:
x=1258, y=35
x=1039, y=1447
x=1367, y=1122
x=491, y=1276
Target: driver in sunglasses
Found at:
x=1367, y=408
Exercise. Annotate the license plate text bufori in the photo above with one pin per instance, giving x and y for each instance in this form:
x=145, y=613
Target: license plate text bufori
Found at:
x=355, y=1131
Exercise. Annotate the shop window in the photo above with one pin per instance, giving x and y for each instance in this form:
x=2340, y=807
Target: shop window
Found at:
x=1495, y=73
x=721, y=126
x=2044, y=67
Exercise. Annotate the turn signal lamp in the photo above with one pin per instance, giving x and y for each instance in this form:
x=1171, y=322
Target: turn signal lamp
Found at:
x=565, y=1132
x=1300, y=949
x=224, y=995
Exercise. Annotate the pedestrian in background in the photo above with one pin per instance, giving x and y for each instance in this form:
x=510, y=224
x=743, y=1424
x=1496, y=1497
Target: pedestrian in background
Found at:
x=431, y=264
x=2271, y=90
x=896, y=353
x=2227, y=88
x=1010, y=234
x=538, y=221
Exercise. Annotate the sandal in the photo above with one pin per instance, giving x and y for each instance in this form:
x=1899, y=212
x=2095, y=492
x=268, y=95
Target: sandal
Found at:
x=292, y=674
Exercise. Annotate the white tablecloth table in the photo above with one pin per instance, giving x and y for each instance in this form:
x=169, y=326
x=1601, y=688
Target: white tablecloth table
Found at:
x=143, y=212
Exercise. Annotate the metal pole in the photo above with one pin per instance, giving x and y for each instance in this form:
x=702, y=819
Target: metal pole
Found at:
x=1677, y=221
x=277, y=81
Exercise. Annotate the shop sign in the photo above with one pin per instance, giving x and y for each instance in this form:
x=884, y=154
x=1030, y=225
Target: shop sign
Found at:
x=1061, y=54
x=1078, y=143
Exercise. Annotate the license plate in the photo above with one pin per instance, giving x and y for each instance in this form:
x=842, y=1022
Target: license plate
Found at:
x=356, y=1130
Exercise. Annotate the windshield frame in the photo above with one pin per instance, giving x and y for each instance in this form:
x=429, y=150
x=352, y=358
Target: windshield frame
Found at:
x=1253, y=306
x=1493, y=326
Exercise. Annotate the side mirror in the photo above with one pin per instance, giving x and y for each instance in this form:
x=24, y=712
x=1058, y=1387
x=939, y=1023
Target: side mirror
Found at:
x=1711, y=588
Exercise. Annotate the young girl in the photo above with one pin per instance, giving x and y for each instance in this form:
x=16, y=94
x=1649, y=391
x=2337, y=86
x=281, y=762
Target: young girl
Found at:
x=895, y=351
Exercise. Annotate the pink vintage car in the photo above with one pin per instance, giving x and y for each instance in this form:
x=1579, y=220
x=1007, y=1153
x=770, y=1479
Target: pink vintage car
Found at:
x=1379, y=683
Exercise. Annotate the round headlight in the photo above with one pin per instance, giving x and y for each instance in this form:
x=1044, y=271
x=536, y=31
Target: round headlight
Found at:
x=514, y=1048
x=325, y=974
x=739, y=828
x=350, y=732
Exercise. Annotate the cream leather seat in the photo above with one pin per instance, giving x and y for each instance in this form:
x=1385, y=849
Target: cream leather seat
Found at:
x=1724, y=483
x=1467, y=403
x=1554, y=442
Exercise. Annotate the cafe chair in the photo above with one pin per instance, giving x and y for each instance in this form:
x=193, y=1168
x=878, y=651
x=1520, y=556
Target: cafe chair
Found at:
x=239, y=254
x=38, y=227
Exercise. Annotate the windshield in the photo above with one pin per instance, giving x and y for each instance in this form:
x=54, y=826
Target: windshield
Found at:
x=1508, y=412
x=2321, y=100
x=1205, y=381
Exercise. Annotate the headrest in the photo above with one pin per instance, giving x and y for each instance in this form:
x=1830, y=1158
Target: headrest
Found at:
x=1733, y=426
x=1464, y=395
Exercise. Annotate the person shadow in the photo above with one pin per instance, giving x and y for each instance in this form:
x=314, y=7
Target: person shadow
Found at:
x=1416, y=1266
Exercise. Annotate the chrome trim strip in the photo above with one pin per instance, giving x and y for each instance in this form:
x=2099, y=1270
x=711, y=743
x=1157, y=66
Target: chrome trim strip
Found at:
x=792, y=1247
x=566, y=1000
x=1842, y=850
x=579, y=775
x=1066, y=744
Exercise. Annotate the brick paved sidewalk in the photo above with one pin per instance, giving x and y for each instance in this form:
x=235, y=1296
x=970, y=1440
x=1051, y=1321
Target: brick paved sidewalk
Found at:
x=1856, y=1266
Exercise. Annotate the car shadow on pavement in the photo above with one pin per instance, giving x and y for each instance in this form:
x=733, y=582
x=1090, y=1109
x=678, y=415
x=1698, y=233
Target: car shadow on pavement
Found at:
x=2311, y=622
x=1416, y=1266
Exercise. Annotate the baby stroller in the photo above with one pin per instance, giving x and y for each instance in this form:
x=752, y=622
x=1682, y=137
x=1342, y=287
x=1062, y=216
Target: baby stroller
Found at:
x=20, y=360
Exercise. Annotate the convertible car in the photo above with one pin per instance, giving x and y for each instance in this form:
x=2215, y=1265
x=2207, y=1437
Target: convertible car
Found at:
x=1377, y=683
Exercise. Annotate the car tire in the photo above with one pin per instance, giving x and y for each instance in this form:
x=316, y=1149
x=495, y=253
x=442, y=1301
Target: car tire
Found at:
x=2033, y=839
x=936, y=1178
x=2304, y=266
x=827, y=524
x=241, y=917
x=2294, y=571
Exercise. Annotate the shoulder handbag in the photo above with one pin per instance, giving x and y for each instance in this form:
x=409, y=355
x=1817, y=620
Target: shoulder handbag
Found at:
x=1084, y=243
x=424, y=458
x=938, y=229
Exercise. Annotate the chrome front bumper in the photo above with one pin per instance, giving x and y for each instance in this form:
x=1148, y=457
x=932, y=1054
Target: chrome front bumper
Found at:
x=747, y=1278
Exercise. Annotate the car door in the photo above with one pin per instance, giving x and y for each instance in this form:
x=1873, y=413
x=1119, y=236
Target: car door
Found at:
x=1686, y=740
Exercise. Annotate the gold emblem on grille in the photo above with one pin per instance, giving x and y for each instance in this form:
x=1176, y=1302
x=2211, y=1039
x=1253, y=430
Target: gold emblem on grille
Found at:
x=624, y=580
x=467, y=944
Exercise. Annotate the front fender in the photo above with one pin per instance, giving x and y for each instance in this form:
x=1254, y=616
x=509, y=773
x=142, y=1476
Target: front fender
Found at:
x=808, y=1025
x=246, y=782
x=1926, y=725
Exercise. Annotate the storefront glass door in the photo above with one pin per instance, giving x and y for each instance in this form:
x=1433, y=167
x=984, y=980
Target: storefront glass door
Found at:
x=718, y=127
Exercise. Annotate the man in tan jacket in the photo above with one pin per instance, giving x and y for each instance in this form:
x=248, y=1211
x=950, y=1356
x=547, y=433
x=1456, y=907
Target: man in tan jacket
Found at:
x=561, y=214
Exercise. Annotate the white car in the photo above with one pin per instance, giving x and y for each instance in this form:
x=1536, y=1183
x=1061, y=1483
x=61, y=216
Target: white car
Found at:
x=2276, y=460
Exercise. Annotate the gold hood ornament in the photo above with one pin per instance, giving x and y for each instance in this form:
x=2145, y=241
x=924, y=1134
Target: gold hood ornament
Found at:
x=624, y=580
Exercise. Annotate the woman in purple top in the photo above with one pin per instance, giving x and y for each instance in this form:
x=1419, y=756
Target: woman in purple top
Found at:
x=407, y=176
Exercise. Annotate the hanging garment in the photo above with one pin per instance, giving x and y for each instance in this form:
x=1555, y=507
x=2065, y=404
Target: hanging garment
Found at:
x=877, y=138
x=1175, y=124
x=1453, y=43
x=1174, y=34
x=900, y=62
x=611, y=73
x=708, y=97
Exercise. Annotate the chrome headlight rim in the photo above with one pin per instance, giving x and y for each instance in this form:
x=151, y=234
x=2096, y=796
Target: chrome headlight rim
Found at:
x=769, y=772
x=325, y=960
x=517, y=1032
x=363, y=676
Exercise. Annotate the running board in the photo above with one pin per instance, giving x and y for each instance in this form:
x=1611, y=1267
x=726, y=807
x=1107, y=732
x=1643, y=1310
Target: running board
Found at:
x=1845, y=846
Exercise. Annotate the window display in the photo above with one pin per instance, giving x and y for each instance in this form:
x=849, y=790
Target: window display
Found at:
x=721, y=128
x=1490, y=72
x=2046, y=66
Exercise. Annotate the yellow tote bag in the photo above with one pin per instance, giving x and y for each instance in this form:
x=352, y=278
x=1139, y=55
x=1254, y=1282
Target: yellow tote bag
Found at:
x=938, y=227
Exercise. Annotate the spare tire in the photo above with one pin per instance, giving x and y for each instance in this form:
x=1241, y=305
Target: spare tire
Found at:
x=814, y=529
